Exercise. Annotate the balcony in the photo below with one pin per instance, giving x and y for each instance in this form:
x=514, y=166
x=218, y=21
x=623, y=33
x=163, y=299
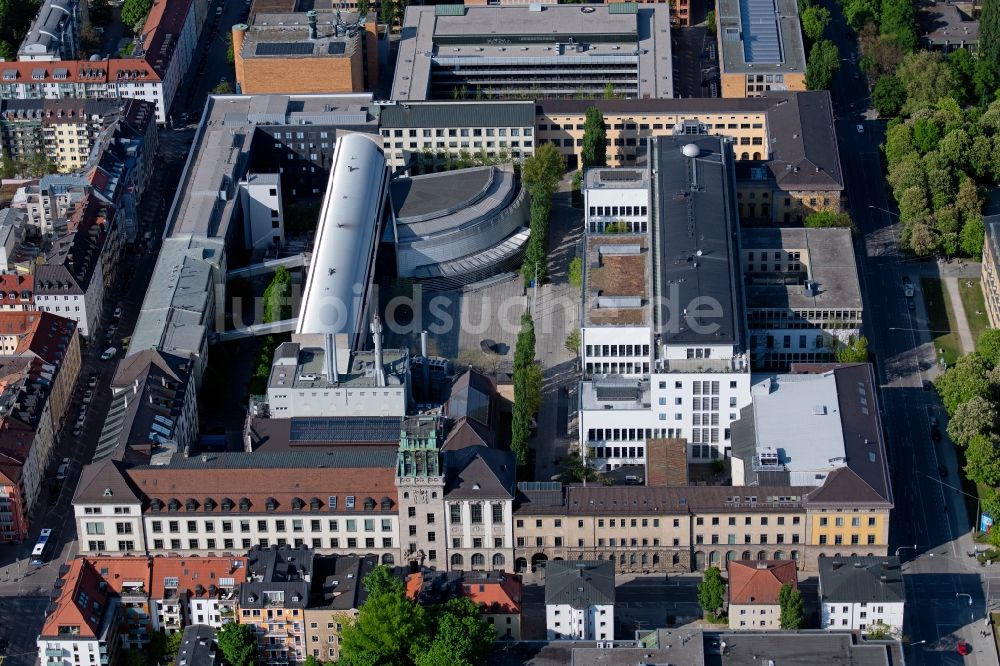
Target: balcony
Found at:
x=53, y=652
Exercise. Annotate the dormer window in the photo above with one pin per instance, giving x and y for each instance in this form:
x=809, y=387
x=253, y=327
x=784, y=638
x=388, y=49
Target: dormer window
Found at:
x=297, y=504
x=386, y=504
x=271, y=504
x=244, y=504
x=227, y=504
x=174, y=505
x=209, y=504
x=315, y=504
x=369, y=504
x=190, y=504
x=108, y=492
x=37, y=74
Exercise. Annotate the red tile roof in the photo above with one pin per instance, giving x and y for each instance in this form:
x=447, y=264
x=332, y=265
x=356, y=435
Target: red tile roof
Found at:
x=81, y=583
x=759, y=581
x=15, y=289
x=196, y=576
x=77, y=71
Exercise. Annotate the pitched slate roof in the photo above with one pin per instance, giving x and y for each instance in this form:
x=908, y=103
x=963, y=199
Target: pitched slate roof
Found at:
x=478, y=472
x=759, y=582
x=105, y=482
x=861, y=580
x=579, y=583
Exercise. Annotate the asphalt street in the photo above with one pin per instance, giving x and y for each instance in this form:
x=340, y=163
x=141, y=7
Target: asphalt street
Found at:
x=929, y=513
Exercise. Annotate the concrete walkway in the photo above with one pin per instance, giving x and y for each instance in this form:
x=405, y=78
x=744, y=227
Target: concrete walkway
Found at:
x=955, y=296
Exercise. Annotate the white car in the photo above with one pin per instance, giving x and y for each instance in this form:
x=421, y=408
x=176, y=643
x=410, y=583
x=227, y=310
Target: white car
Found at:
x=118, y=312
x=61, y=473
x=860, y=128
x=87, y=397
x=109, y=354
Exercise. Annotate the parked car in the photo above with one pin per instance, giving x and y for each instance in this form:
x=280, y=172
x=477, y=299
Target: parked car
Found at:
x=935, y=434
x=61, y=472
x=118, y=312
x=926, y=384
x=92, y=380
x=860, y=128
x=934, y=422
x=109, y=354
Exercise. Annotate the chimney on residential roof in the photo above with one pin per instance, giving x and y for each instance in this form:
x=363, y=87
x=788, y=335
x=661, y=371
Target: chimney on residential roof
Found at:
x=311, y=18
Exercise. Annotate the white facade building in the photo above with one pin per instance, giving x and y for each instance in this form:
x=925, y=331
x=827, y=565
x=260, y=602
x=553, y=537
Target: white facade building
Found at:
x=860, y=593
x=579, y=600
x=662, y=339
x=263, y=212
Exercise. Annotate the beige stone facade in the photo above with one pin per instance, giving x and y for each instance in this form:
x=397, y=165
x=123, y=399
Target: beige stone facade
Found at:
x=990, y=274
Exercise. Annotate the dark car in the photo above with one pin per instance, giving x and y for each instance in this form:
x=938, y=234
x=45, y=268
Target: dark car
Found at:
x=926, y=384
x=935, y=434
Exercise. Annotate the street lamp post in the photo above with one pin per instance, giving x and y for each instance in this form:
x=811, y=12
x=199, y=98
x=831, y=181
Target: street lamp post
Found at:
x=883, y=210
x=972, y=613
x=913, y=547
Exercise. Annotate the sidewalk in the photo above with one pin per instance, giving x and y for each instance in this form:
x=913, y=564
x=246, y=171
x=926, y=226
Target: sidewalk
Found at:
x=964, y=333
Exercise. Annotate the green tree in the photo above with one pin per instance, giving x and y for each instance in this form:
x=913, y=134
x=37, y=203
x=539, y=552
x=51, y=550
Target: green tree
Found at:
x=963, y=73
x=595, y=136
x=573, y=341
x=312, y=661
x=989, y=31
x=827, y=218
x=134, y=658
x=712, y=592
x=988, y=346
x=926, y=134
x=460, y=635
x=855, y=351
x=542, y=171
x=967, y=379
x=823, y=63
x=899, y=143
x=792, y=607
x=99, y=12
x=609, y=90
x=364, y=6
x=224, y=88
x=230, y=53
x=982, y=460
x=381, y=581
x=237, y=644
x=972, y=236
x=389, y=629
x=888, y=95
x=814, y=21
x=277, y=296
x=710, y=26
x=927, y=79
x=576, y=272
x=134, y=12
x=920, y=239
x=878, y=631
x=897, y=19
x=520, y=433
x=173, y=644
x=859, y=13
x=974, y=418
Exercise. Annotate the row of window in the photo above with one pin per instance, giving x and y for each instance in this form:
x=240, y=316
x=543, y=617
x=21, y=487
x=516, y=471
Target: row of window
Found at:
x=351, y=543
x=838, y=540
x=280, y=525
x=616, y=211
x=643, y=127
x=617, y=350
x=460, y=132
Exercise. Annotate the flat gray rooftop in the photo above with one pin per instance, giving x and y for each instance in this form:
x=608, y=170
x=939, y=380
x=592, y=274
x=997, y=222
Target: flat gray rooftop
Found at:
x=760, y=37
x=696, y=262
x=829, y=255
x=616, y=179
x=520, y=36
x=438, y=192
x=286, y=35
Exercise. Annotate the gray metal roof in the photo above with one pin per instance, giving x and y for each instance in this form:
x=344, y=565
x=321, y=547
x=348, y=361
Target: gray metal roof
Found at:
x=457, y=114
x=861, y=580
x=46, y=34
x=198, y=647
x=697, y=297
x=761, y=34
x=579, y=583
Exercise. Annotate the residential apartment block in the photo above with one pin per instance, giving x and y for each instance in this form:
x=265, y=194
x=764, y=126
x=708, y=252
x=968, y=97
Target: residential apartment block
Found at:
x=16, y=291
x=162, y=55
x=54, y=33
x=760, y=47
x=803, y=294
x=861, y=593
x=580, y=600
x=754, y=593
x=77, y=271
x=39, y=363
x=497, y=594
x=63, y=130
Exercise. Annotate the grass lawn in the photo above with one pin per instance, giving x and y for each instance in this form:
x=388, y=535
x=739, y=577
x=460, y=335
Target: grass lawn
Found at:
x=974, y=301
x=942, y=320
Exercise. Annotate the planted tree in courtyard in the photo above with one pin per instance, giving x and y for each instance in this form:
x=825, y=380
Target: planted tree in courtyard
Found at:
x=712, y=592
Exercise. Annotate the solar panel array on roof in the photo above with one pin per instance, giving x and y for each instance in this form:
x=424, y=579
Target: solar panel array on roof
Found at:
x=283, y=48
x=344, y=430
x=614, y=392
x=761, y=35
x=449, y=10
x=620, y=175
x=623, y=8
x=336, y=48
